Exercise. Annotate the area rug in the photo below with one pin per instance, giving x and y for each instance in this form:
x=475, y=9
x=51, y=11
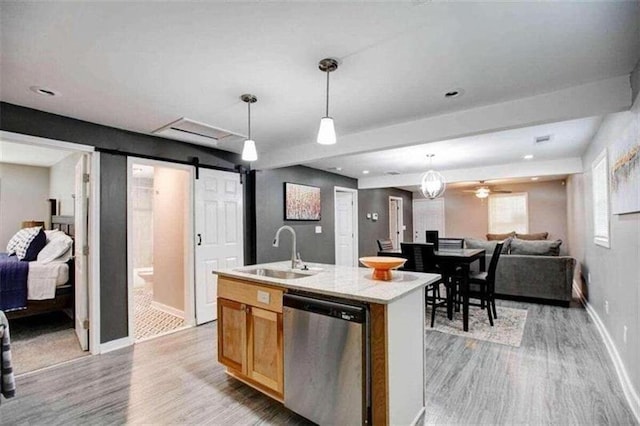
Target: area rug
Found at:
x=150, y=321
x=42, y=341
x=507, y=330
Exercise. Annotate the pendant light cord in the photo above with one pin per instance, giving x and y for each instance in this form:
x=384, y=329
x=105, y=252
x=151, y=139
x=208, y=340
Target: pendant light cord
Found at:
x=327, y=113
x=249, y=120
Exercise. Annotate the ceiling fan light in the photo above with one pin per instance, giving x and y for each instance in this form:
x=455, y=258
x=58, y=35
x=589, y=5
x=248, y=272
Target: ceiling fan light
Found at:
x=327, y=132
x=482, y=192
x=249, y=152
x=433, y=184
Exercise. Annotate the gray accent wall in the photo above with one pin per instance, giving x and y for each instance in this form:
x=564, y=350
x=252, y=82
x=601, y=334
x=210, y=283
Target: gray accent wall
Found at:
x=113, y=196
x=377, y=201
x=614, y=272
x=269, y=204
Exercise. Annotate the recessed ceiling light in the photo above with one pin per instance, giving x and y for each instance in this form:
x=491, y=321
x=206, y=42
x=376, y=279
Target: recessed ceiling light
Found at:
x=339, y=169
x=535, y=178
x=44, y=91
x=365, y=172
x=392, y=173
x=528, y=157
x=454, y=93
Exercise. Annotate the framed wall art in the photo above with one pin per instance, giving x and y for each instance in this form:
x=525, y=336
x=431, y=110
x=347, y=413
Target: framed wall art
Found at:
x=301, y=202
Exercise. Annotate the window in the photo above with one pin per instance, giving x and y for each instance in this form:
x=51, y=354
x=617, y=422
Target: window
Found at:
x=600, y=183
x=508, y=212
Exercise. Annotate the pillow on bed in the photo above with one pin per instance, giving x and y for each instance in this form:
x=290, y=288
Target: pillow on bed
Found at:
x=31, y=242
x=58, y=248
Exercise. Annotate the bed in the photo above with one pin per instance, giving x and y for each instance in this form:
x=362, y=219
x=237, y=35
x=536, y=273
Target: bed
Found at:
x=49, y=287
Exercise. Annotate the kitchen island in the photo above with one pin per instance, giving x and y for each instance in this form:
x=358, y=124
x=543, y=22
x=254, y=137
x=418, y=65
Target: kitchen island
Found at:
x=372, y=332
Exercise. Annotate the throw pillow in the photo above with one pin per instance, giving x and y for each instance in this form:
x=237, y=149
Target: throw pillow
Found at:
x=55, y=249
x=531, y=237
x=500, y=237
x=488, y=246
x=536, y=248
x=31, y=243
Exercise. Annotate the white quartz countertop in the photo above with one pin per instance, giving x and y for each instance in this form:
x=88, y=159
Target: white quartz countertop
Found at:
x=340, y=281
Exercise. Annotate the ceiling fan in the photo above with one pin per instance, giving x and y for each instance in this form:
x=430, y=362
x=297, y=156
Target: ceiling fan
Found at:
x=483, y=191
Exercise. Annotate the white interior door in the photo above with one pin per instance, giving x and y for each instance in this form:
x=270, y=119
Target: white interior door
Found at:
x=345, y=235
x=427, y=215
x=219, y=235
x=81, y=250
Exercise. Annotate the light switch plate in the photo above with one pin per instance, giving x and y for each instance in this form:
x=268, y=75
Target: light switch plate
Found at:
x=263, y=297
x=318, y=229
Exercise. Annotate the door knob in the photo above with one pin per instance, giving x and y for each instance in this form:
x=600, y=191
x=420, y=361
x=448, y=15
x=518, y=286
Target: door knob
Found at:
x=199, y=239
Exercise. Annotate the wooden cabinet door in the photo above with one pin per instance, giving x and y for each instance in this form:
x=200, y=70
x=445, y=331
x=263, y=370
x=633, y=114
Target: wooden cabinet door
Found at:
x=265, y=348
x=232, y=334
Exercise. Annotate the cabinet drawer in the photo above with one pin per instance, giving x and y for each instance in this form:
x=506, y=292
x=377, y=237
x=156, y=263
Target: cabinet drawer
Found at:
x=250, y=293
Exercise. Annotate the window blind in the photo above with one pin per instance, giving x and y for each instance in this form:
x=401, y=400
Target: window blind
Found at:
x=508, y=212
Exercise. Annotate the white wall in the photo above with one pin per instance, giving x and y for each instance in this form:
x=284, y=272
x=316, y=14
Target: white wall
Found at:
x=62, y=183
x=169, y=204
x=24, y=191
x=615, y=271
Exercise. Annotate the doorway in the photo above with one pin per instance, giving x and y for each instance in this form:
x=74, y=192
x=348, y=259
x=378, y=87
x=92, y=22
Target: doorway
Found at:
x=427, y=215
x=160, y=248
x=53, y=185
x=396, y=221
x=346, y=226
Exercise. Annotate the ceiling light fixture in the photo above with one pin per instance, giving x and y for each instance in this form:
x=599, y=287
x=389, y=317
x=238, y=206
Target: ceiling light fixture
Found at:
x=43, y=91
x=528, y=157
x=365, y=172
x=483, y=192
x=535, y=178
x=327, y=131
x=249, y=152
x=433, y=183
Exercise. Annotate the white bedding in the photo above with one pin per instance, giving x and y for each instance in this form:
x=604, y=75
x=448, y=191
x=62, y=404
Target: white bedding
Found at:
x=44, y=278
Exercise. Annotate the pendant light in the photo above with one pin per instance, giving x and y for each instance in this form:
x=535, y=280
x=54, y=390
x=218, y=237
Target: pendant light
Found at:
x=249, y=152
x=433, y=184
x=327, y=132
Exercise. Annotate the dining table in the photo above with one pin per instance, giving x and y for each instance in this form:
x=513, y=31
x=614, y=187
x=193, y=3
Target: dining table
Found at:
x=454, y=263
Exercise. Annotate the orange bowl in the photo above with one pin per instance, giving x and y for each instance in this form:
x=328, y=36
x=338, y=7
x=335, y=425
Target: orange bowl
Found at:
x=382, y=265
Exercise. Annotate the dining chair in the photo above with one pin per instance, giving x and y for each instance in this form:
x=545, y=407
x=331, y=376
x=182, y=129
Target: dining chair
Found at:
x=450, y=243
x=421, y=258
x=482, y=285
x=385, y=245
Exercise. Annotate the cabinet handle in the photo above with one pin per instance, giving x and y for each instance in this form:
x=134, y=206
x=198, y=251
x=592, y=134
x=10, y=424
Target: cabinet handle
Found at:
x=199, y=239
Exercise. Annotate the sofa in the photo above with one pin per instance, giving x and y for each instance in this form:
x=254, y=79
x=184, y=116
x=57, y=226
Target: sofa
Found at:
x=530, y=270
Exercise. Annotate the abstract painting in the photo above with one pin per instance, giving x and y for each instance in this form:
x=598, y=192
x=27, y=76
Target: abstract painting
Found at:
x=301, y=202
x=625, y=170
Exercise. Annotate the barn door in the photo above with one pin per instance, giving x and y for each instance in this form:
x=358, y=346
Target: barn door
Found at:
x=219, y=235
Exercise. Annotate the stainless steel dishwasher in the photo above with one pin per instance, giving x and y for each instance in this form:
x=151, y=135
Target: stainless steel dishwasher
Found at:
x=326, y=360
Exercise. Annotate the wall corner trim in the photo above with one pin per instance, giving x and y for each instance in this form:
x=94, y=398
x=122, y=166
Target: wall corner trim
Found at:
x=114, y=345
x=627, y=387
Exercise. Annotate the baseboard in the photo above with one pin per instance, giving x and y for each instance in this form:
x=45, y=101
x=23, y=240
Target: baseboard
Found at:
x=116, y=344
x=419, y=417
x=168, y=309
x=627, y=387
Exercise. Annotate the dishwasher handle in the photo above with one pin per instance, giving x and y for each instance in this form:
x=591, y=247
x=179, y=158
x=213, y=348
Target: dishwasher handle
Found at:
x=326, y=307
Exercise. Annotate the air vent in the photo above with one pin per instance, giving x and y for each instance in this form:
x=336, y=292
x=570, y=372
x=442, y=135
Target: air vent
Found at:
x=392, y=173
x=197, y=133
x=541, y=139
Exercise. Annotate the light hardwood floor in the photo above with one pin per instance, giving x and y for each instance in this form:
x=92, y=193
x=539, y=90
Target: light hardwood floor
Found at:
x=560, y=375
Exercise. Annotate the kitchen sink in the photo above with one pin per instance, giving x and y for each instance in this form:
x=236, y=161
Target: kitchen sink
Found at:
x=276, y=273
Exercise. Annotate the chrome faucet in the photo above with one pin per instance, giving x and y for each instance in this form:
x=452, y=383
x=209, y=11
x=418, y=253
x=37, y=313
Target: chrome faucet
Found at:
x=276, y=243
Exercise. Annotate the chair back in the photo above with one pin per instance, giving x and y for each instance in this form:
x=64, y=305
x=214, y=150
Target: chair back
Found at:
x=420, y=257
x=385, y=245
x=451, y=243
x=493, y=265
x=432, y=237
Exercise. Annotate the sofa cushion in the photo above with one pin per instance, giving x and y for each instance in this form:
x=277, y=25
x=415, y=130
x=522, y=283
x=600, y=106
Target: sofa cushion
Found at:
x=488, y=246
x=536, y=248
x=500, y=237
x=531, y=237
